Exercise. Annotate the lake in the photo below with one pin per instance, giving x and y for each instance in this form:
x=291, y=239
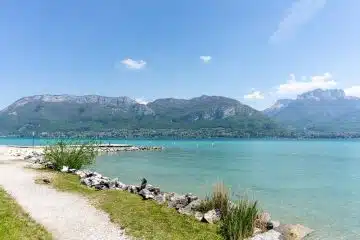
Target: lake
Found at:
x=311, y=182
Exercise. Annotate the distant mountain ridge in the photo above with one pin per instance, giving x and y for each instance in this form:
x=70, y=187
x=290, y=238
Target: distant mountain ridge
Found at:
x=62, y=113
x=319, y=110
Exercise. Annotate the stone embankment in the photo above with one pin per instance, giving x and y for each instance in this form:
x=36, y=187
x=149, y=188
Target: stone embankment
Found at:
x=186, y=204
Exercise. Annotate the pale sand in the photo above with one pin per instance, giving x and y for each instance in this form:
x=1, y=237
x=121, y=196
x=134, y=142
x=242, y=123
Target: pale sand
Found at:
x=67, y=216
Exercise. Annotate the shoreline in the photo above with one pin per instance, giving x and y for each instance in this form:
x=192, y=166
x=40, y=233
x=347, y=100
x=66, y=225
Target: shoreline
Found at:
x=183, y=203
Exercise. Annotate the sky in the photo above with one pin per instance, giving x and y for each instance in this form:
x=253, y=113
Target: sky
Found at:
x=255, y=51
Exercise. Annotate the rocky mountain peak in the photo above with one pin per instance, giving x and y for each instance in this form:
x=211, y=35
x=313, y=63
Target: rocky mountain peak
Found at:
x=321, y=94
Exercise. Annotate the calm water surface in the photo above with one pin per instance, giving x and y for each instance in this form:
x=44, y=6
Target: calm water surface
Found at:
x=315, y=183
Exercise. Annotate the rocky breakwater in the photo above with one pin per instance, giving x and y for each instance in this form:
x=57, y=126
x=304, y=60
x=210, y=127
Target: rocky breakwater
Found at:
x=113, y=148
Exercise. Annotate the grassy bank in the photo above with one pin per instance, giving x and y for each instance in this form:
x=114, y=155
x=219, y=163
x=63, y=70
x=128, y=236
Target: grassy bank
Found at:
x=141, y=219
x=15, y=224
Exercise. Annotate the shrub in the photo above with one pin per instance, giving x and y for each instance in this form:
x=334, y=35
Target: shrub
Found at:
x=239, y=223
x=72, y=154
x=219, y=200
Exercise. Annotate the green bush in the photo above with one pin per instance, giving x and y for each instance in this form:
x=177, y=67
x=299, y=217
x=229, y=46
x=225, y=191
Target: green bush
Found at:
x=219, y=200
x=72, y=154
x=239, y=223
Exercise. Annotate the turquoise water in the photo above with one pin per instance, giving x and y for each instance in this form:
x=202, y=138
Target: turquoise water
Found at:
x=315, y=183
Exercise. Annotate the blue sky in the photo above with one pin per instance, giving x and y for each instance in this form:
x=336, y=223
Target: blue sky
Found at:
x=255, y=51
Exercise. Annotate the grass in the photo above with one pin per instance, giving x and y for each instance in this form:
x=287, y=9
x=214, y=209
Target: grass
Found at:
x=71, y=154
x=239, y=223
x=15, y=224
x=141, y=219
x=220, y=199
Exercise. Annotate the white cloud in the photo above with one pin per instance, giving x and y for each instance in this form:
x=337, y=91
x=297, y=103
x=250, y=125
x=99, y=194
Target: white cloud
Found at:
x=353, y=91
x=294, y=87
x=254, y=95
x=206, y=59
x=300, y=13
x=141, y=101
x=134, y=64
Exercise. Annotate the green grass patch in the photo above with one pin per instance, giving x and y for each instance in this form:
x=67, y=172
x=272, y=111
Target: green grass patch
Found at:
x=15, y=224
x=141, y=219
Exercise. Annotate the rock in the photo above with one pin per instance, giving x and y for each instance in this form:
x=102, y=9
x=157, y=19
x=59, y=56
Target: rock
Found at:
x=35, y=166
x=293, y=232
x=132, y=189
x=113, y=184
x=49, y=165
x=212, y=216
x=275, y=223
x=122, y=186
x=186, y=211
x=257, y=231
x=194, y=204
x=270, y=235
x=80, y=173
x=65, y=169
x=178, y=201
x=191, y=197
x=149, y=187
x=160, y=198
x=199, y=216
x=264, y=217
x=100, y=187
x=269, y=226
x=146, y=194
x=46, y=181
x=72, y=170
x=86, y=181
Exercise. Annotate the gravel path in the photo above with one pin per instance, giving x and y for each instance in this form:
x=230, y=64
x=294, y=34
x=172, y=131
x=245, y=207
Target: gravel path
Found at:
x=66, y=216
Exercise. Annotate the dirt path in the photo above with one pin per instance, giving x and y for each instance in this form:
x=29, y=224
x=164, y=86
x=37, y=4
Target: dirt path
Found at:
x=67, y=216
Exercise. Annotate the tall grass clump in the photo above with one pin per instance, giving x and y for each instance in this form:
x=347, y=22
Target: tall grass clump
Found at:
x=219, y=200
x=239, y=223
x=72, y=154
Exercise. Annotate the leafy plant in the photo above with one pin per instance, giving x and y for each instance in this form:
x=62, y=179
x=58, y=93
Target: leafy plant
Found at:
x=219, y=200
x=239, y=223
x=72, y=154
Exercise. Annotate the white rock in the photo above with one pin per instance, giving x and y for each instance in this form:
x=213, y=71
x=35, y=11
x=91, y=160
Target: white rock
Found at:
x=65, y=169
x=199, y=216
x=275, y=223
x=293, y=231
x=269, y=235
x=211, y=216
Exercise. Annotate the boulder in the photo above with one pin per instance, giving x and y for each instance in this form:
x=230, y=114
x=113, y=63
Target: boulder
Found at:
x=270, y=235
x=146, y=194
x=194, y=204
x=86, y=181
x=191, y=197
x=160, y=198
x=80, y=173
x=122, y=186
x=72, y=170
x=100, y=187
x=212, y=216
x=293, y=231
x=199, y=216
x=178, y=201
x=132, y=189
x=275, y=223
x=65, y=169
x=186, y=211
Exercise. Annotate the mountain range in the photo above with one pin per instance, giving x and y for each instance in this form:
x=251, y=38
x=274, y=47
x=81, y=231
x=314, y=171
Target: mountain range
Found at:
x=64, y=113
x=318, y=111
x=323, y=111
